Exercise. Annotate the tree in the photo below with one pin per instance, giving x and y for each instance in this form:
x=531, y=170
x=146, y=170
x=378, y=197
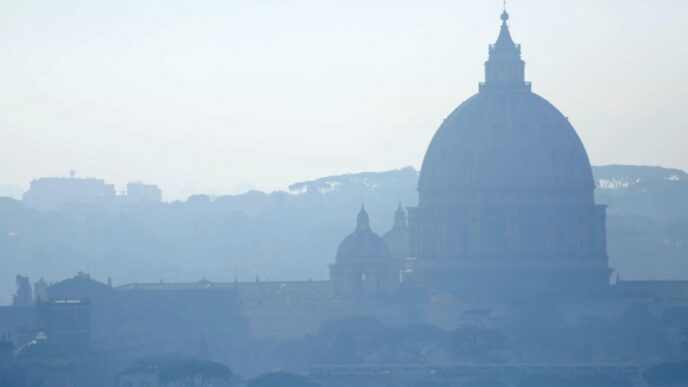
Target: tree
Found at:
x=667, y=374
x=573, y=381
x=351, y=341
x=484, y=382
x=422, y=344
x=431, y=384
x=366, y=341
x=281, y=379
x=478, y=344
x=193, y=373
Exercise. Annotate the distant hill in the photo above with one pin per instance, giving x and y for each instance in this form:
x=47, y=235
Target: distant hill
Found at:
x=628, y=175
x=294, y=234
x=647, y=223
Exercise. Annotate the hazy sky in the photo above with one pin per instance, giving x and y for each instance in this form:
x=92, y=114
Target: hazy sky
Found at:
x=220, y=96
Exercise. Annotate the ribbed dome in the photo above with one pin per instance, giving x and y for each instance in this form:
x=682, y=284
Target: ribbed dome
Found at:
x=362, y=244
x=505, y=145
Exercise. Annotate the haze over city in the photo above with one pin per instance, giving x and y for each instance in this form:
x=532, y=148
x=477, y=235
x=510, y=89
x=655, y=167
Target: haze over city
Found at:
x=216, y=97
x=334, y=194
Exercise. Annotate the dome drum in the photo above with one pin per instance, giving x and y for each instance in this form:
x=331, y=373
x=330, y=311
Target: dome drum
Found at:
x=504, y=233
x=367, y=279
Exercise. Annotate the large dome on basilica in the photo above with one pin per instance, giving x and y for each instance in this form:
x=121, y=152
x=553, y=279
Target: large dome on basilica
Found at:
x=506, y=191
x=505, y=144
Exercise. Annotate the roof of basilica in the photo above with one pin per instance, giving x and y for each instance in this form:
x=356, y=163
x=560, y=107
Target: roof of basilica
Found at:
x=81, y=281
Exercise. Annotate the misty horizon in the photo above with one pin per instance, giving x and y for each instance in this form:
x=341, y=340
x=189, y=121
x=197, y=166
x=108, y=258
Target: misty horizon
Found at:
x=323, y=193
x=317, y=86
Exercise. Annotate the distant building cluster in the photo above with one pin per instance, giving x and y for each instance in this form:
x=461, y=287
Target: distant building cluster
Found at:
x=140, y=192
x=51, y=193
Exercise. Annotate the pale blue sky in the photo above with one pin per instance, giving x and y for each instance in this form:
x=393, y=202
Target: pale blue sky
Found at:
x=221, y=96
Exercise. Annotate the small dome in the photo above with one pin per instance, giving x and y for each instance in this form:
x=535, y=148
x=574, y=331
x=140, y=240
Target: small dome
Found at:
x=41, y=351
x=362, y=244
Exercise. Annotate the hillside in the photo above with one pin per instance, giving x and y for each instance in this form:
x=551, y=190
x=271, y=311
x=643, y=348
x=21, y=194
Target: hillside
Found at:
x=294, y=234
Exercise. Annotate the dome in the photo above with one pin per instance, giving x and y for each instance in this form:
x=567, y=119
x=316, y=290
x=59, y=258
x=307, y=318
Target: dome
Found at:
x=497, y=141
x=506, y=194
x=505, y=145
x=362, y=244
